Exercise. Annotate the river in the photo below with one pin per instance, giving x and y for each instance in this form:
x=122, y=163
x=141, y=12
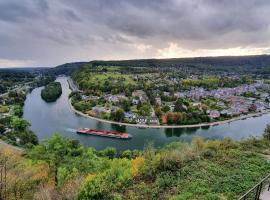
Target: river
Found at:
x=48, y=118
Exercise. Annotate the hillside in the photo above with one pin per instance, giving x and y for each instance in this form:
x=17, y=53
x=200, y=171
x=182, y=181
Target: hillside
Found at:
x=62, y=169
x=226, y=63
x=65, y=69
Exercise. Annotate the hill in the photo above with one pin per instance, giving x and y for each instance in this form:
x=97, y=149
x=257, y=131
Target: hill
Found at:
x=223, y=63
x=65, y=69
x=60, y=168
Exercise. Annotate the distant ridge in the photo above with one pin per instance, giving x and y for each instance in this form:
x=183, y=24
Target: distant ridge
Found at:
x=254, y=60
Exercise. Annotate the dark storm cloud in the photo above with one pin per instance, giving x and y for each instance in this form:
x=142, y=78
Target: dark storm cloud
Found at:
x=55, y=31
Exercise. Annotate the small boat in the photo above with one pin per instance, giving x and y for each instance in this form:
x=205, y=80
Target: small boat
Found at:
x=88, y=131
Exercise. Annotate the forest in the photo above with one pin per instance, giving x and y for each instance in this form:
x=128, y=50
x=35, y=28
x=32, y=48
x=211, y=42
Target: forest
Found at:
x=51, y=92
x=10, y=78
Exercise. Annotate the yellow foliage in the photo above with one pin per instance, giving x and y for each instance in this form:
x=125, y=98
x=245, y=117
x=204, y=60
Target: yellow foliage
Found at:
x=90, y=177
x=198, y=143
x=137, y=163
x=212, y=144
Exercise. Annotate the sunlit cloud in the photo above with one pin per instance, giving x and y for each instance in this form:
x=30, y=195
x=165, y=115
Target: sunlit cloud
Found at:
x=175, y=51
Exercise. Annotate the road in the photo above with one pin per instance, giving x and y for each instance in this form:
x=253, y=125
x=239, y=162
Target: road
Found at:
x=265, y=195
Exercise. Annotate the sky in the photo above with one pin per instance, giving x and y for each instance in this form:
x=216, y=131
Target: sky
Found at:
x=46, y=33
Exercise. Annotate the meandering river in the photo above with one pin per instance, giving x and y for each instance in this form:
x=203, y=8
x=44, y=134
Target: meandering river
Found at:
x=48, y=118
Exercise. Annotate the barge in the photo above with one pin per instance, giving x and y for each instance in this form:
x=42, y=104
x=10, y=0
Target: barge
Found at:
x=88, y=131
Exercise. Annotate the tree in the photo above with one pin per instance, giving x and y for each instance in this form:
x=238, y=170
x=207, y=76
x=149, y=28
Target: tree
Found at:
x=179, y=106
x=109, y=152
x=119, y=115
x=55, y=152
x=178, y=118
x=2, y=128
x=19, y=124
x=125, y=105
x=145, y=109
x=158, y=111
x=266, y=133
x=165, y=108
x=171, y=118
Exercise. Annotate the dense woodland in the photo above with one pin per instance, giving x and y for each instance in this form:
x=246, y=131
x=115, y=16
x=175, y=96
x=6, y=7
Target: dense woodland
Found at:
x=236, y=64
x=10, y=78
x=51, y=92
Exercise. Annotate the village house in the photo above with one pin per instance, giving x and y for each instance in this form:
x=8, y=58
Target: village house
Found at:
x=166, y=94
x=153, y=120
x=135, y=101
x=214, y=114
x=158, y=101
x=171, y=105
x=141, y=94
x=141, y=120
x=99, y=110
x=89, y=98
x=129, y=116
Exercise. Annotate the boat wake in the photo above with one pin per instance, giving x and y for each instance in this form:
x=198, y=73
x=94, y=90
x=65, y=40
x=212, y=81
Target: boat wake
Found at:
x=71, y=130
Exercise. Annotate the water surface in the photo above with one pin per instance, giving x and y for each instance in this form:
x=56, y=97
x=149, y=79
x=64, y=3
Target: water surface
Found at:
x=48, y=118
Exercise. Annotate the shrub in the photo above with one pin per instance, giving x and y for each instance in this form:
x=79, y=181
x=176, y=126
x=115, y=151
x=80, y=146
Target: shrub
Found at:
x=103, y=184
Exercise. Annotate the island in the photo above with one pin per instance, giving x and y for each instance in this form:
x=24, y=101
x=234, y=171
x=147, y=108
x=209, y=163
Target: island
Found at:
x=51, y=92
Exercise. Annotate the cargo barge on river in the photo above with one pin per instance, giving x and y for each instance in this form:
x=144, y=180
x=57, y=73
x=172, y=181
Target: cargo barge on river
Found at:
x=118, y=135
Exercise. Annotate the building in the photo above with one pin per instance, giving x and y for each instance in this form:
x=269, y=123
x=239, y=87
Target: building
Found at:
x=214, y=114
x=153, y=120
x=141, y=120
x=158, y=101
x=171, y=105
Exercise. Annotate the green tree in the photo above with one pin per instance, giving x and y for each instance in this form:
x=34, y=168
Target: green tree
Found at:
x=55, y=152
x=118, y=115
x=266, y=133
x=165, y=108
x=158, y=111
x=2, y=128
x=109, y=152
x=19, y=124
x=180, y=106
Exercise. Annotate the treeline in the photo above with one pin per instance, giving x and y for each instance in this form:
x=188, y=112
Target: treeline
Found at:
x=65, y=69
x=9, y=78
x=223, y=63
x=14, y=129
x=51, y=92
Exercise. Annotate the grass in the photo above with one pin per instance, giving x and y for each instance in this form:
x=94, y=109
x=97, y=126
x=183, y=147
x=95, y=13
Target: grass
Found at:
x=4, y=109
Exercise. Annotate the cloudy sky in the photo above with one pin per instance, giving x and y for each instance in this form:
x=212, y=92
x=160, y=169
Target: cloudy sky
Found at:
x=52, y=32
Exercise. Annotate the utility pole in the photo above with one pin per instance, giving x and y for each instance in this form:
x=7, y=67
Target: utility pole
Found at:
x=3, y=179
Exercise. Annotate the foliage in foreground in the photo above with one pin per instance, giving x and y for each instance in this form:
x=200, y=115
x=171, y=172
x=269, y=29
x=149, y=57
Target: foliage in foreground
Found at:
x=200, y=170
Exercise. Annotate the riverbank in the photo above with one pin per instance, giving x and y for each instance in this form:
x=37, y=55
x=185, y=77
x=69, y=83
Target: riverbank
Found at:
x=170, y=126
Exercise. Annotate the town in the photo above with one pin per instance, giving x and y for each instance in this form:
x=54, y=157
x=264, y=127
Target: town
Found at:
x=186, y=100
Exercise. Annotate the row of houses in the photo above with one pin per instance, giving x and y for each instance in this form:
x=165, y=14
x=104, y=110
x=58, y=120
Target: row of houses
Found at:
x=239, y=106
x=199, y=92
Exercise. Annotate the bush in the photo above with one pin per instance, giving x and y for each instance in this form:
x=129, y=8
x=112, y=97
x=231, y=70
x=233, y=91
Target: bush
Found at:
x=266, y=134
x=104, y=183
